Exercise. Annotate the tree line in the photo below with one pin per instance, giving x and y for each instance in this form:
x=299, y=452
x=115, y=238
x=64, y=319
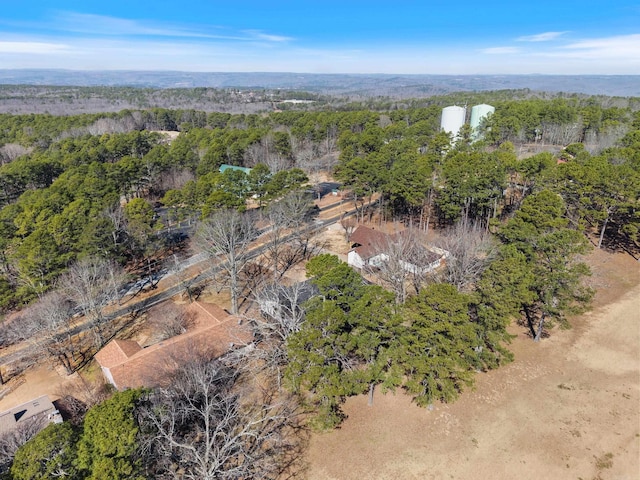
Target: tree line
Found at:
x=63, y=187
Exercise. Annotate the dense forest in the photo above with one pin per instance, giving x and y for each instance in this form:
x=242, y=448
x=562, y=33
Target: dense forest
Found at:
x=549, y=179
x=63, y=179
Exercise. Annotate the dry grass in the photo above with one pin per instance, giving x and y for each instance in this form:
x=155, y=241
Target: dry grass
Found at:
x=565, y=408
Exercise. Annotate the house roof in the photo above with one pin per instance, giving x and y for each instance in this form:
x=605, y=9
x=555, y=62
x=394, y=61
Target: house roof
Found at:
x=215, y=332
x=38, y=407
x=206, y=313
x=225, y=166
x=116, y=352
x=368, y=242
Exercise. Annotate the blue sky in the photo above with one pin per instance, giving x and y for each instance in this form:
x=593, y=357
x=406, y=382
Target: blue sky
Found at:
x=427, y=36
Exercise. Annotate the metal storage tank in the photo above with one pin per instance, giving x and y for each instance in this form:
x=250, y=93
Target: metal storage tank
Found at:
x=479, y=113
x=453, y=119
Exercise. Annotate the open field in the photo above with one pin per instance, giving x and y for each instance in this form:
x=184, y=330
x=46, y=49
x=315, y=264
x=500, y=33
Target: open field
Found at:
x=567, y=408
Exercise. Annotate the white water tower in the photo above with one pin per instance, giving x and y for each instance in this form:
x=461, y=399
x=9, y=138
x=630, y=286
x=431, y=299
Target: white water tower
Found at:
x=453, y=119
x=478, y=114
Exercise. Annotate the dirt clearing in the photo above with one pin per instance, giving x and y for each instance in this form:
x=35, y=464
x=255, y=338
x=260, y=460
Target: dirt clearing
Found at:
x=566, y=408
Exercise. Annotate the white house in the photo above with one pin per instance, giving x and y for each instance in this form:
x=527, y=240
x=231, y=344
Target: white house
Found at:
x=368, y=247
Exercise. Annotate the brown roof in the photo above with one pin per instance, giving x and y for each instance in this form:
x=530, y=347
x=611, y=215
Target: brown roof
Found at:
x=205, y=313
x=368, y=242
x=117, y=351
x=214, y=334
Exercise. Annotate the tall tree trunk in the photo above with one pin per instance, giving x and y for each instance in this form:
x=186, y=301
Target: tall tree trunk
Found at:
x=540, y=328
x=234, y=294
x=604, y=227
x=530, y=322
x=372, y=387
x=66, y=363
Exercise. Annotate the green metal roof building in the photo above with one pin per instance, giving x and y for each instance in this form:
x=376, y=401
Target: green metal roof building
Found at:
x=224, y=167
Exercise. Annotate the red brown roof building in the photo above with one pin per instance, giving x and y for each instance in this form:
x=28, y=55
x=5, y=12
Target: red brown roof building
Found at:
x=125, y=364
x=369, y=248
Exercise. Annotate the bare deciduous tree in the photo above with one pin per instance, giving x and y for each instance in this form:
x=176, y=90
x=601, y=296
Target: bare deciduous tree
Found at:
x=348, y=224
x=303, y=151
x=108, y=125
x=561, y=134
x=71, y=408
x=471, y=248
x=12, y=440
x=115, y=214
x=174, y=178
x=169, y=322
x=405, y=261
x=227, y=234
x=281, y=308
x=49, y=328
x=207, y=425
x=92, y=284
x=10, y=151
x=287, y=219
x=254, y=154
x=392, y=267
x=281, y=316
x=276, y=236
x=299, y=207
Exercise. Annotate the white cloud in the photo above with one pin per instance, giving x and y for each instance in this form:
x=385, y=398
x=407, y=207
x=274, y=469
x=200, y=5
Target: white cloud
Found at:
x=37, y=48
x=500, y=50
x=612, y=55
x=117, y=27
x=622, y=46
x=114, y=26
x=259, y=35
x=541, y=37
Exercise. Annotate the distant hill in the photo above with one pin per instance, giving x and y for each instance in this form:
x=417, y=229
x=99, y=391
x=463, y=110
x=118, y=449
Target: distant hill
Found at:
x=364, y=85
x=66, y=92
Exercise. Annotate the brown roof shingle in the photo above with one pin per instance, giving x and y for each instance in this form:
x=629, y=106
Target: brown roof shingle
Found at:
x=368, y=242
x=214, y=334
x=116, y=352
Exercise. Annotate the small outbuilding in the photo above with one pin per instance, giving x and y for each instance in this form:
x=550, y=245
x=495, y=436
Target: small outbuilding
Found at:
x=39, y=412
x=226, y=166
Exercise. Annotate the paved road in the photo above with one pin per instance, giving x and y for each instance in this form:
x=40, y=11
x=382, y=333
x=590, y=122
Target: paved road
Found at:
x=162, y=295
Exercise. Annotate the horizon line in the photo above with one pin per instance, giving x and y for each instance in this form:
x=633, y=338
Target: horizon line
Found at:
x=320, y=73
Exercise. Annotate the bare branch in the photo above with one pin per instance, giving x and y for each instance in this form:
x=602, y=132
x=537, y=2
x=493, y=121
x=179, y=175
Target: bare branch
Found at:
x=227, y=234
x=471, y=249
x=207, y=425
x=92, y=284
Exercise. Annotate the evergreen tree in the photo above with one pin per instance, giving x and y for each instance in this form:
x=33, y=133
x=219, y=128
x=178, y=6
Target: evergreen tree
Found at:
x=50, y=454
x=107, y=448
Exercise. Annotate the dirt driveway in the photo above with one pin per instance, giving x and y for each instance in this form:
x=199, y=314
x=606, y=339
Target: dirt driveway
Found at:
x=566, y=408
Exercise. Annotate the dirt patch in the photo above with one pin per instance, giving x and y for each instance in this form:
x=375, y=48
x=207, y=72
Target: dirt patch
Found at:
x=567, y=407
x=334, y=241
x=44, y=380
